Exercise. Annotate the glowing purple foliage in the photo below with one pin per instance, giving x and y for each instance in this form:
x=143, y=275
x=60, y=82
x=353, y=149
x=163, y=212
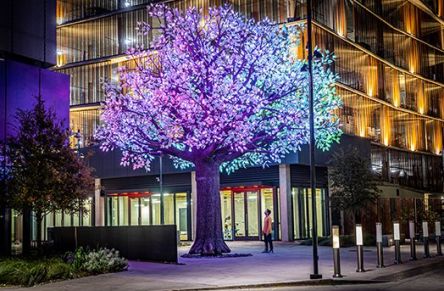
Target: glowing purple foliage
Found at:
x=218, y=87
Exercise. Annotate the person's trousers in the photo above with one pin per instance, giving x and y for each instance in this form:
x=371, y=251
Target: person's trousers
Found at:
x=268, y=242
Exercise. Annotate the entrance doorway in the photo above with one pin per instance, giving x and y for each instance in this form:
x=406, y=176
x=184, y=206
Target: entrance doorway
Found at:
x=242, y=211
x=246, y=215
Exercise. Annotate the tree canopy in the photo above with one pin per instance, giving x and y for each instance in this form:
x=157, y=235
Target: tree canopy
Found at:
x=219, y=87
x=353, y=185
x=45, y=174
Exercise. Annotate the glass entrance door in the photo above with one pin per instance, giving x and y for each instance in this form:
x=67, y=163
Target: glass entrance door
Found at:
x=246, y=215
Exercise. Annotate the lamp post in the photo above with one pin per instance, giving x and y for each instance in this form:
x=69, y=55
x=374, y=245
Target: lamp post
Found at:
x=397, y=238
x=160, y=180
x=162, y=207
x=359, y=249
x=336, y=256
x=315, y=274
x=438, y=237
x=412, y=240
x=425, y=235
x=379, y=250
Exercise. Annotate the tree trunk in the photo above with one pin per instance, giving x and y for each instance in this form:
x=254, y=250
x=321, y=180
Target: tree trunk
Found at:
x=26, y=227
x=39, y=218
x=209, y=239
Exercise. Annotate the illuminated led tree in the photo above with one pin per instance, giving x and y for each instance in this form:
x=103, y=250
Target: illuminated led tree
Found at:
x=219, y=92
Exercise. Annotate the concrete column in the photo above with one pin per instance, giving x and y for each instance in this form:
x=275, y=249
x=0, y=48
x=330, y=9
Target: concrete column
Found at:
x=99, y=205
x=194, y=205
x=285, y=203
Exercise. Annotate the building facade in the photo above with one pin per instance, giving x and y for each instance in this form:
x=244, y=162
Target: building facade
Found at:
x=27, y=51
x=389, y=57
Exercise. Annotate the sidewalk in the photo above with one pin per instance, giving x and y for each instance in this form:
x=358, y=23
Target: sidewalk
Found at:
x=289, y=264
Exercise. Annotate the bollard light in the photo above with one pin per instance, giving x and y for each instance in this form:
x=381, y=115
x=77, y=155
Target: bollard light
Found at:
x=438, y=237
x=425, y=229
x=335, y=233
x=336, y=256
x=425, y=234
x=396, y=231
x=438, y=228
x=378, y=232
x=359, y=237
x=379, y=251
x=359, y=248
x=412, y=240
x=397, y=238
x=412, y=229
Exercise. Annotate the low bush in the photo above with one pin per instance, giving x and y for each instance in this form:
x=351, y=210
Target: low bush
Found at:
x=83, y=262
x=99, y=261
x=32, y=272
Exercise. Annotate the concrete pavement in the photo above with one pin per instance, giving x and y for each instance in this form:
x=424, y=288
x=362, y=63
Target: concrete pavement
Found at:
x=289, y=264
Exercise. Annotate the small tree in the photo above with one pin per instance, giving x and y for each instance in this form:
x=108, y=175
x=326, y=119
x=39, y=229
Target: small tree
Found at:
x=45, y=173
x=353, y=186
x=221, y=92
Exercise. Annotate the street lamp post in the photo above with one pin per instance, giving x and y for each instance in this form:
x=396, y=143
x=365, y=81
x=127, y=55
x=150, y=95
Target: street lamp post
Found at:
x=315, y=274
x=162, y=207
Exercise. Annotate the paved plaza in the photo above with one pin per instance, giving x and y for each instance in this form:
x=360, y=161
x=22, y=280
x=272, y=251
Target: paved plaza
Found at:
x=291, y=263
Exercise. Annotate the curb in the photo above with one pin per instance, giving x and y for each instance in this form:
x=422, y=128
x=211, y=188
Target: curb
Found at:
x=321, y=282
x=403, y=274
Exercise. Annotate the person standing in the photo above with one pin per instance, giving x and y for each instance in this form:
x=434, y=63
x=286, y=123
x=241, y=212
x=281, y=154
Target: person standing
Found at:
x=266, y=230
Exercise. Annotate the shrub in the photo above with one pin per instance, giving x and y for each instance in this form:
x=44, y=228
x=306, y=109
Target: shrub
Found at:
x=99, y=261
x=59, y=270
x=13, y=273
x=37, y=274
x=29, y=272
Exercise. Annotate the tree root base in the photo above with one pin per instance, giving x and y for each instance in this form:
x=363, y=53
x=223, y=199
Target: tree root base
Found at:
x=209, y=247
x=199, y=256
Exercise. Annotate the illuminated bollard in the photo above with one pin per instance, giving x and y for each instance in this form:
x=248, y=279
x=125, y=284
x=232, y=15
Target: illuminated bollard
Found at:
x=336, y=256
x=397, y=238
x=438, y=237
x=359, y=248
x=379, y=249
x=425, y=234
x=412, y=240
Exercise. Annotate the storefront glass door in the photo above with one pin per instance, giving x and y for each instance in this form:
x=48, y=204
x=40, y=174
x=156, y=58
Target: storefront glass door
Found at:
x=246, y=215
x=239, y=215
x=242, y=212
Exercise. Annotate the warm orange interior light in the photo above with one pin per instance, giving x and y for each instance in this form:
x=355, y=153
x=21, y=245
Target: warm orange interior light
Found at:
x=421, y=98
x=372, y=77
x=396, y=98
x=437, y=137
x=386, y=126
x=341, y=20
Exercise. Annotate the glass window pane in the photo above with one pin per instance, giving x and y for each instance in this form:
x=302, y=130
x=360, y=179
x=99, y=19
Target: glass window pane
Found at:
x=182, y=215
x=86, y=219
x=239, y=214
x=168, y=208
x=267, y=203
x=155, y=200
x=296, y=220
x=252, y=210
x=226, y=214
x=114, y=211
x=134, y=211
x=58, y=218
x=123, y=210
x=145, y=201
x=76, y=219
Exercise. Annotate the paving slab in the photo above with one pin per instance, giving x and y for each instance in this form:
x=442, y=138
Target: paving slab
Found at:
x=289, y=263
